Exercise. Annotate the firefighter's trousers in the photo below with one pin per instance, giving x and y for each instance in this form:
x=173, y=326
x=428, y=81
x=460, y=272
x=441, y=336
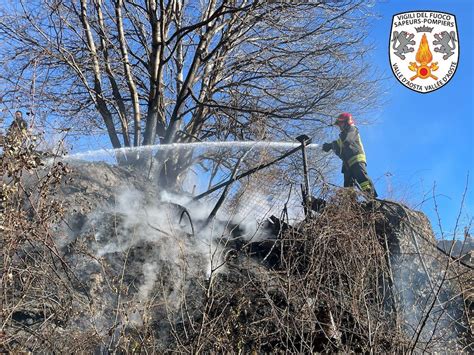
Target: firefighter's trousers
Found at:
x=357, y=172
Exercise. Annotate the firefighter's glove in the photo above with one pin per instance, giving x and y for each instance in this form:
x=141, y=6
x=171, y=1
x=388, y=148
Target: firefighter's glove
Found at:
x=327, y=147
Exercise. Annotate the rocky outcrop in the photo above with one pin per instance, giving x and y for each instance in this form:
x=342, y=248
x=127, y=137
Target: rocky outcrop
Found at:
x=426, y=283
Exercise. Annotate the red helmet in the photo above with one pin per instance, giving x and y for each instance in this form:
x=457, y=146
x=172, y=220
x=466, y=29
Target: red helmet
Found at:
x=344, y=118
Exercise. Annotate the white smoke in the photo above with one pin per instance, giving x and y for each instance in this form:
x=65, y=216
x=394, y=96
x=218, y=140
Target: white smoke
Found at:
x=182, y=247
x=148, y=252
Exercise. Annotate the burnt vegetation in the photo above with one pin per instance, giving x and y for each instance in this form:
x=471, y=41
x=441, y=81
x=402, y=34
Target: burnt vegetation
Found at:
x=325, y=284
x=326, y=289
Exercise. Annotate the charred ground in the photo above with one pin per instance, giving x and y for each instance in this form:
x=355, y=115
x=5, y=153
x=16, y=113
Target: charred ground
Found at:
x=94, y=260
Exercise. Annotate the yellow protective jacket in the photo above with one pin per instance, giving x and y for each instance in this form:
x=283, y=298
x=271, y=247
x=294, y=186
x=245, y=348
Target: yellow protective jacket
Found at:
x=349, y=147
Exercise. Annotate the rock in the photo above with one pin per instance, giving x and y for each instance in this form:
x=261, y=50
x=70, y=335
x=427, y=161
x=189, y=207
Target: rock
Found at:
x=425, y=285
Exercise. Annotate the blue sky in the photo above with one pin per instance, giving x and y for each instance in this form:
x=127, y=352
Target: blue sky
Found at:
x=422, y=140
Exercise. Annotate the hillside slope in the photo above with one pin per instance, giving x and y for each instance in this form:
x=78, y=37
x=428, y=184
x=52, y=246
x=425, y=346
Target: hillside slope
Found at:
x=130, y=268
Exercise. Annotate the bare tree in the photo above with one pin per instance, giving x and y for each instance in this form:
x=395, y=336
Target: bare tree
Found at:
x=163, y=71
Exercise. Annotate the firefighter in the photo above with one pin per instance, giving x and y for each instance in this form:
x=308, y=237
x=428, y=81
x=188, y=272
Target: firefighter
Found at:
x=351, y=151
x=19, y=126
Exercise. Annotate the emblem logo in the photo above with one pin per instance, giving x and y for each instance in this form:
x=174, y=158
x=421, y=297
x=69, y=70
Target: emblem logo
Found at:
x=424, y=49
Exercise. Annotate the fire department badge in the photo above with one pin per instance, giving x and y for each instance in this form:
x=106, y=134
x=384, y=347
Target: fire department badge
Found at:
x=424, y=49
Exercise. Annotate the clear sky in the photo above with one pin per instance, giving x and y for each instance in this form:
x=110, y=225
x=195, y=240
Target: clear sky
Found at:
x=422, y=140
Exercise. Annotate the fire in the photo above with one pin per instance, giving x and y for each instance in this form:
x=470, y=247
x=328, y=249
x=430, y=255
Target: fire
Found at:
x=424, y=55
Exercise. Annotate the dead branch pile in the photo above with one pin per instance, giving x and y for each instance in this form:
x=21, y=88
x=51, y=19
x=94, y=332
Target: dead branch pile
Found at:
x=330, y=292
